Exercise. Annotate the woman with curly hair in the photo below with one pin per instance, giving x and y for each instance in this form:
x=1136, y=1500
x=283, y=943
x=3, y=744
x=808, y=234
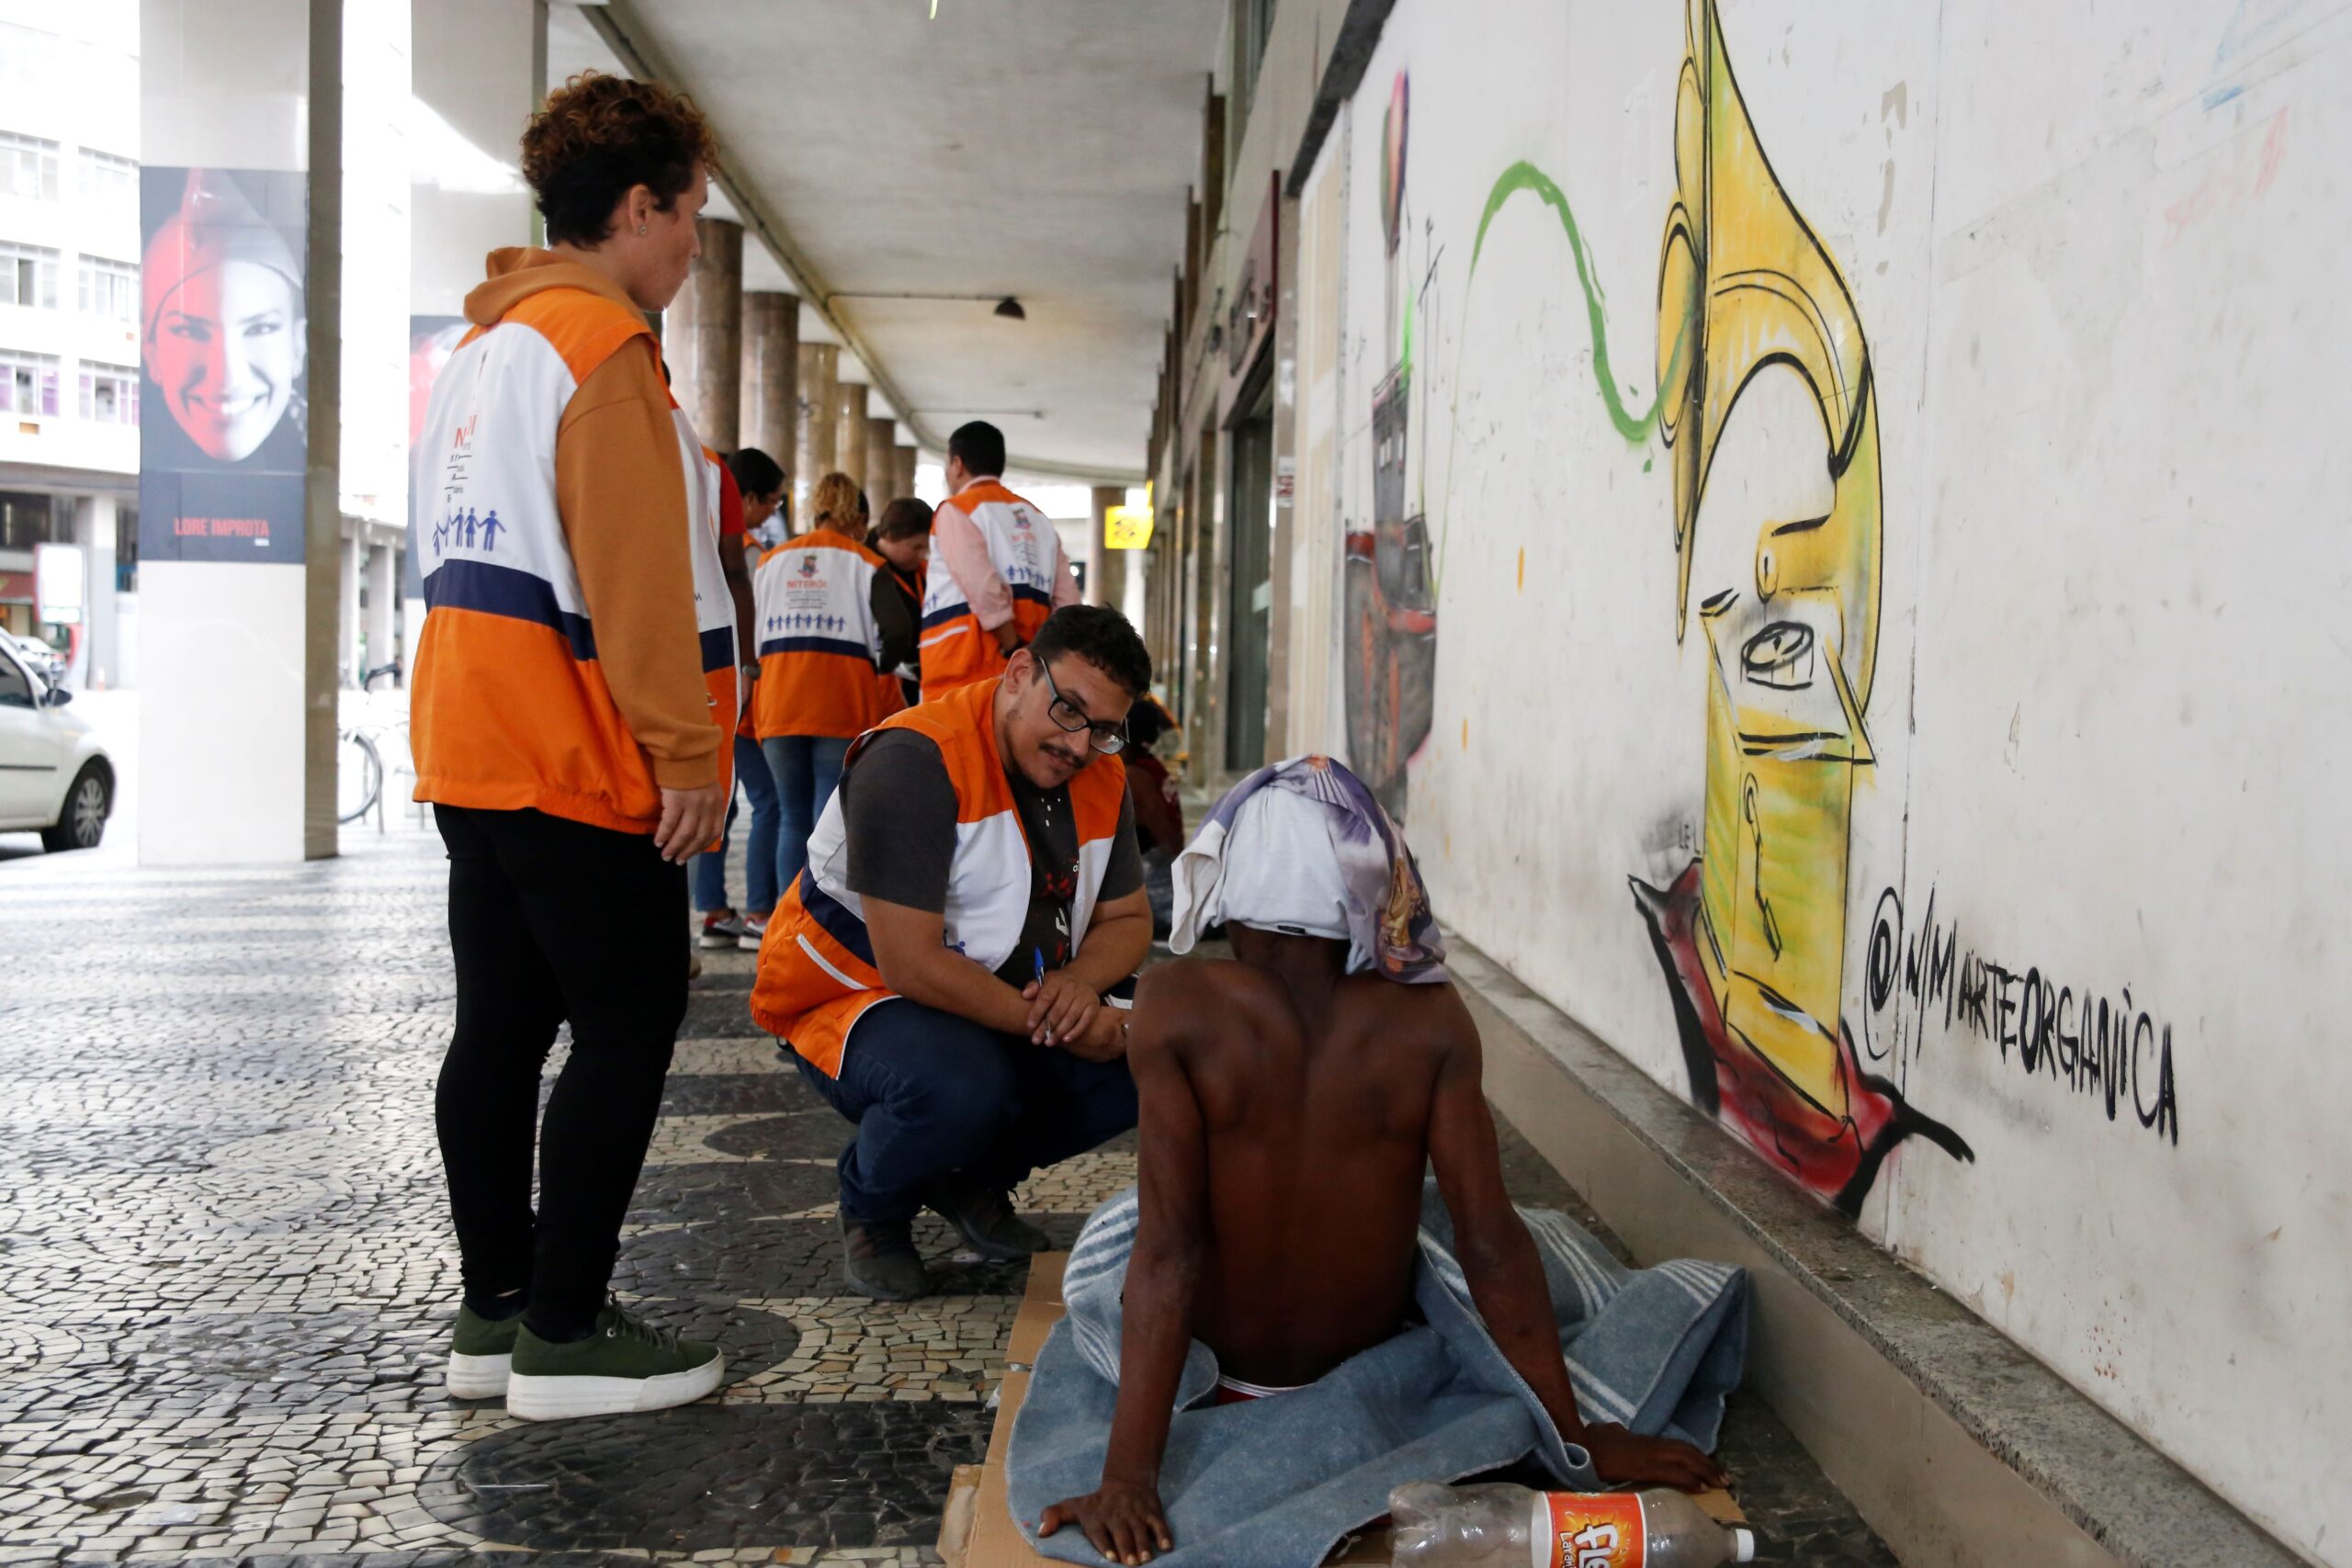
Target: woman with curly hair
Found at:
x=576, y=689
x=821, y=682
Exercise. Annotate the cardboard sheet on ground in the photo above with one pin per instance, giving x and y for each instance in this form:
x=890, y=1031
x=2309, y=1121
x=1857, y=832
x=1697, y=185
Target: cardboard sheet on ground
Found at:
x=977, y=1530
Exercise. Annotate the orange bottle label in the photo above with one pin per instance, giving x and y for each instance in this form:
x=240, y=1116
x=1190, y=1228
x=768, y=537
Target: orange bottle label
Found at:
x=1597, y=1530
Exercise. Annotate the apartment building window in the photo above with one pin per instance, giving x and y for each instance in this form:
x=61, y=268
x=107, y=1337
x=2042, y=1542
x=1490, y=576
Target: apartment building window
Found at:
x=28, y=275
x=27, y=520
x=109, y=393
x=1253, y=23
x=126, y=546
x=106, y=178
x=27, y=382
x=109, y=289
x=28, y=166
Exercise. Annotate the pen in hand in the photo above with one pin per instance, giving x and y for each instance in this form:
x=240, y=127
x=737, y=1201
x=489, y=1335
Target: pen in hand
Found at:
x=1038, y=957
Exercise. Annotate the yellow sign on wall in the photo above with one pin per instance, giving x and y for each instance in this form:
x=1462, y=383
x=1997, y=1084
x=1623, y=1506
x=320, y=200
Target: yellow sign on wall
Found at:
x=1127, y=528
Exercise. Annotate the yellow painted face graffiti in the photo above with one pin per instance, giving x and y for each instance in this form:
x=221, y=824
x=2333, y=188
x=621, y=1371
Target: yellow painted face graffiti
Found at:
x=1745, y=286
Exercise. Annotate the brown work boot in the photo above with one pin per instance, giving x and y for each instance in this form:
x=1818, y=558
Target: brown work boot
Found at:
x=881, y=1260
x=985, y=1217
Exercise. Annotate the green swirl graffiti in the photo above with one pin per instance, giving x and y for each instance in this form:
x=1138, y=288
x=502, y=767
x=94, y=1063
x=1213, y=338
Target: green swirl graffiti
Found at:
x=1526, y=177
x=1634, y=426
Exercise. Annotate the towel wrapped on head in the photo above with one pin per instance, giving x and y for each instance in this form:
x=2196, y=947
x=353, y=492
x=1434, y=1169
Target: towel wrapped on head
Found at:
x=1301, y=847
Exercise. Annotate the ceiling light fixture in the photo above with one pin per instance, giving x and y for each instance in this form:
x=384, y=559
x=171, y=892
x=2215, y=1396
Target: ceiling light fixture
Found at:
x=1008, y=307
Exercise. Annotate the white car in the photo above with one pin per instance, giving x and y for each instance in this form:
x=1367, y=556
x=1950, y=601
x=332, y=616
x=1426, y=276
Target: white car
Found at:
x=55, y=778
x=42, y=660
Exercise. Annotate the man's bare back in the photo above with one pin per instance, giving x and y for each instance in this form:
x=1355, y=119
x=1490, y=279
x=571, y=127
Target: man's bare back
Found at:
x=1288, y=1112
x=1317, y=1135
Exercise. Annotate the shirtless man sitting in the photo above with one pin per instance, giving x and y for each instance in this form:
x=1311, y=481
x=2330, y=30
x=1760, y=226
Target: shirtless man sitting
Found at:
x=1288, y=1109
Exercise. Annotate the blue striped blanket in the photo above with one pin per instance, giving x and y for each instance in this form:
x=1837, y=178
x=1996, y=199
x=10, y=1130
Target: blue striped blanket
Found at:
x=1279, y=1481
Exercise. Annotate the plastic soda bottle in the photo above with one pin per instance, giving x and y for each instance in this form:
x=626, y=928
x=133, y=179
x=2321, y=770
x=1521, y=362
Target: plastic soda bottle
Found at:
x=1513, y=1526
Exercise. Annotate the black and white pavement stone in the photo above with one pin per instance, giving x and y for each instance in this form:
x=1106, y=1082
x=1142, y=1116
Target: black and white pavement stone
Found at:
x=226, y=1275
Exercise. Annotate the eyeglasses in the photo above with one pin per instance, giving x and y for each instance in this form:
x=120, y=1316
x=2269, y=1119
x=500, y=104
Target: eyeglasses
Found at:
x=1107, y=736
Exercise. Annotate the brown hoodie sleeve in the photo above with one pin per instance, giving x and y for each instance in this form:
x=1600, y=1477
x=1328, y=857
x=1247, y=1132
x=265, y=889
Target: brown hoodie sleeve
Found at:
x=622, y=493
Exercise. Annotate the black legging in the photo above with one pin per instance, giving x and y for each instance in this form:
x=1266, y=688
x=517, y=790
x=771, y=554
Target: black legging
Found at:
x=552, y=920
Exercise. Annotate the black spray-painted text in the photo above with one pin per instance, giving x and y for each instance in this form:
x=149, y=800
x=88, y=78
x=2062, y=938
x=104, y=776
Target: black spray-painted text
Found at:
x=2103, y=1047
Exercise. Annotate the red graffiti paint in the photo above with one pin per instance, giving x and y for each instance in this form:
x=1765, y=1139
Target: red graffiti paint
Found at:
x=1836, y=1157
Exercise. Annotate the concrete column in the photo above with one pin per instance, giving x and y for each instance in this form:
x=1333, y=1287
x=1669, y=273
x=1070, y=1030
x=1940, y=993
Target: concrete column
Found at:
x=771, y=373
x=881, y=472
x=813, y=424
x=383, y=591
x=702, y=335
x=1106, y=579
x=101, y=655
x=471, y=63
x=848, y=431
x=902, y=471
x=238, y=566
x=351, y=561
x=481, y=67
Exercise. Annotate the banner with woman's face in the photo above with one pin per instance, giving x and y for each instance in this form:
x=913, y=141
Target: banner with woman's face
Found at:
x=224, y=347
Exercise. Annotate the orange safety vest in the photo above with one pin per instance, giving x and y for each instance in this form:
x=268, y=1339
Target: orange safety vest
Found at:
x=816, y=974
x=956, y=649
x=814, y=596
x=510, y=709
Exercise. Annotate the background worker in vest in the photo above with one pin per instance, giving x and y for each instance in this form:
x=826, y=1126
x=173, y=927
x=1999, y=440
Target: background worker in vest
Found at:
x=902, y=538
x=758, y=484
x=576, y=688
x=938, y=973
x=820, y=684
x=997, y=570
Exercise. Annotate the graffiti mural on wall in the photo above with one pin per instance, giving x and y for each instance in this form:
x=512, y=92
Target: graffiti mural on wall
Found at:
x=1390, y=607
x=1751, y=935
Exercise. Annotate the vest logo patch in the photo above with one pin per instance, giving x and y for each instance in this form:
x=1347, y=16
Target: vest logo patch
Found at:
x=467, y=530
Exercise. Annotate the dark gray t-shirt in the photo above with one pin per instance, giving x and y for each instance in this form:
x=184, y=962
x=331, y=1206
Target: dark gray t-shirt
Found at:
x=900, y=810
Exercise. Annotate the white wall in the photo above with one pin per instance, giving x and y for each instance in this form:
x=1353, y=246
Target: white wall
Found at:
x=2071, y=254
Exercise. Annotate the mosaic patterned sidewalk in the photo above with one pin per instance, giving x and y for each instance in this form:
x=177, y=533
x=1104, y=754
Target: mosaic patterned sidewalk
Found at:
x=226, y=1278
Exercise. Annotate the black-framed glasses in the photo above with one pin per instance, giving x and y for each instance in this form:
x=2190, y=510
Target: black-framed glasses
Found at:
x=1105, y=736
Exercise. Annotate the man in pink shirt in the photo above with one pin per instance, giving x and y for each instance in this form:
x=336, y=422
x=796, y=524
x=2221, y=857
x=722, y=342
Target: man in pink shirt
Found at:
x=997, y=570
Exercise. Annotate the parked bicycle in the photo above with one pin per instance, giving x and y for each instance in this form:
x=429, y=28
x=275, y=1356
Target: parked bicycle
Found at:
x=358, y=774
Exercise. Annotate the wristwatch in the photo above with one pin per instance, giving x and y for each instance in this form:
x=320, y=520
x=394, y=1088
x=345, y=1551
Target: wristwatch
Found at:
x=748, y=671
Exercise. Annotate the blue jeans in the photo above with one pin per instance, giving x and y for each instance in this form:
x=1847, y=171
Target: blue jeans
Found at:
x=806, y=767
x=932, y=1093
x=759, y=855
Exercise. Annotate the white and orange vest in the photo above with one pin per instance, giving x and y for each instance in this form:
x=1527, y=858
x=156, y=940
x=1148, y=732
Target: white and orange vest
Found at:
x=817, y=973
x=513, y=709
x=956, y=649
x=819, y=642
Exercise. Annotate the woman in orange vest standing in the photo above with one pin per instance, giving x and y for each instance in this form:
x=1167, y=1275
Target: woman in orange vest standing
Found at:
x=902, y=538
x=820, y=684
x=575, y=692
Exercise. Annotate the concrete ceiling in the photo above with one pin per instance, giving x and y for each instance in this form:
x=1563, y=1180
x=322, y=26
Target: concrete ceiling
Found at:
x=1033, y=147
